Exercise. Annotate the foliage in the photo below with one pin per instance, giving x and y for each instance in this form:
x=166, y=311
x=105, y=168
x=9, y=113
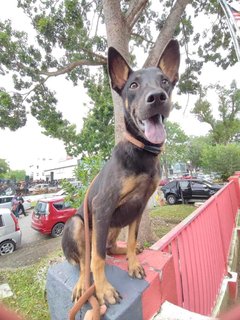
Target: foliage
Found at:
x=223, y=159
x=12, y=111
x=194, y=150
x=70, y=39
x=4, y=167
x=227, y=127
x=87, y=169
x=175, y=147
x=17, y=175
x=97, y=134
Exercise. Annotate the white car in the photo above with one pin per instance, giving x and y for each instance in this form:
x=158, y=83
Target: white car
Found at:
x=39, y=187
x=6, y=202
x=10, y=233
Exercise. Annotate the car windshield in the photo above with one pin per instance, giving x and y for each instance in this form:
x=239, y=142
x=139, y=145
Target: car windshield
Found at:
x=41, y=208
x=208, y=183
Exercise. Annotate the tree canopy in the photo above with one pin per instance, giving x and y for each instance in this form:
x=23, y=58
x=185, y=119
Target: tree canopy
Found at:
x=70, y=39
x=225, y=129
x=16, y=175
x=175, y=147
x=4, y=167
x=195, y=146
x=223, y=159
x=97, y=135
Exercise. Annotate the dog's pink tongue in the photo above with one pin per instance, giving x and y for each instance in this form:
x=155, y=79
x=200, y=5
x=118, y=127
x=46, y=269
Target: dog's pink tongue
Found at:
x=154, y=131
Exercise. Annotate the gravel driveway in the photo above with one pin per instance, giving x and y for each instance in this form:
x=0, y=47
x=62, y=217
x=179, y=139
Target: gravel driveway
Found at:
x=34, y=246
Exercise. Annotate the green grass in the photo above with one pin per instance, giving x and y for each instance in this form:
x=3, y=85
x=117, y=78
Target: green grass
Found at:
x=179, y=211
x=28, y=283
x=28, y=287
x=164, y=218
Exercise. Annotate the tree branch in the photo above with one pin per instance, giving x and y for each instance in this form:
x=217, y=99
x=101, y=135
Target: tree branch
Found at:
x=96, y=55
x=135, y=9
x=136, y=35
x=166, y=32
x=26, y=94
x=72, y=66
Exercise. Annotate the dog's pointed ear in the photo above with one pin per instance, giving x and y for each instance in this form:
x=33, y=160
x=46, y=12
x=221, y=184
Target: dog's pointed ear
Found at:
x=170, y=61
x=118, y=69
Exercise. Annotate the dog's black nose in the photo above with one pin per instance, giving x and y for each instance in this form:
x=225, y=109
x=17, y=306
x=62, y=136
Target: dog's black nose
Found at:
x=153, y=97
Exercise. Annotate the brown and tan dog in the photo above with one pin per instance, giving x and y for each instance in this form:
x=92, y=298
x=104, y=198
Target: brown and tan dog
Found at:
x=123, y=187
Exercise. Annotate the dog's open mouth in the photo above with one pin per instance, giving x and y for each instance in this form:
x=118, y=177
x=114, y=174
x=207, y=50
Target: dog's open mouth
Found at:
x=153, y=128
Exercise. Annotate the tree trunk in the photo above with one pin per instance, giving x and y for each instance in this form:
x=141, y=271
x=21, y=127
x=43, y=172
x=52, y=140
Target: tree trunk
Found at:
x=146, y=234
x=167, y=32
x=118, y=36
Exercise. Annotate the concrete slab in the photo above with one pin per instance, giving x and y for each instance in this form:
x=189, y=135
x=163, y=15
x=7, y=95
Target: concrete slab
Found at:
x=170, y=311
x=62, y=278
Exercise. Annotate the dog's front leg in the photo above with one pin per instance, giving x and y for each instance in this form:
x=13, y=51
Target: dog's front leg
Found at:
x=78, y=290
x=105, y=292
x=135, y=269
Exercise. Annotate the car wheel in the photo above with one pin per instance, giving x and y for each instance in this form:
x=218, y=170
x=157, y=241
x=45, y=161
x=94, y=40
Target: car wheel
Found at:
x=171, y=199
x=57, y=230
x=7, y=247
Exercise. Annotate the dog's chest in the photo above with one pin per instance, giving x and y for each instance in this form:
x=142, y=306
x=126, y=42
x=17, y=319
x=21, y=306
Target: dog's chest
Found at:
x=139, y=186
x=135, y=193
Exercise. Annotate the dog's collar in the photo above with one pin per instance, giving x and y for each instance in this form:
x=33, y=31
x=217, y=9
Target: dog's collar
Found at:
x=155, y=149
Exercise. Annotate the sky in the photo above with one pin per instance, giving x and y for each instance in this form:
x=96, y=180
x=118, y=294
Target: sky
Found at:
x=24, y=146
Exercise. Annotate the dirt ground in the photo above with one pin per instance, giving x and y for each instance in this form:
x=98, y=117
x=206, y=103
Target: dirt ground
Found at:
x=30, y=253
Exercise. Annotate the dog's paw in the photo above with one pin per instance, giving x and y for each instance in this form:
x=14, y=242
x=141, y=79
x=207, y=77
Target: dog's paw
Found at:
x=78, y=290
x=136, y=271
x=108, y=294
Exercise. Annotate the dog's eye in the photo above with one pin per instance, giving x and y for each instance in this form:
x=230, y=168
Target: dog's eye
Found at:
x=165, y=81
x=134, y=85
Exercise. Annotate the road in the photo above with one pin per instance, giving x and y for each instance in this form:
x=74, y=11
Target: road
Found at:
x=34, y=246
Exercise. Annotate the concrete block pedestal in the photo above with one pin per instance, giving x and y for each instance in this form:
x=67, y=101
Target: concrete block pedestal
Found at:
x=141, y=298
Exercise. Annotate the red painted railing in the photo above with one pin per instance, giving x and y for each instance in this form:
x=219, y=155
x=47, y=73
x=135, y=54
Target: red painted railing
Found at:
x=200, y=247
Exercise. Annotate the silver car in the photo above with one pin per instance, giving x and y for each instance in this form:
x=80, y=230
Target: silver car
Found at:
x=10, y=233
x=6, y=202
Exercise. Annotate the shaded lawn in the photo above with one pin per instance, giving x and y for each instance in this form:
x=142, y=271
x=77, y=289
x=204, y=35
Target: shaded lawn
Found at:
x=164, y=218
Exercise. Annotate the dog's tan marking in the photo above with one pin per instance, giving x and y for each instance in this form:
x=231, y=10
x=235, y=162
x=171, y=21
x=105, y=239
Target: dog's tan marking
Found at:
x=104, y=290
x=79, y=287
x=137, y=183
x=130, y=183
x=112, y=247
x=78, y=236
x=134, y=267
x=78, y=225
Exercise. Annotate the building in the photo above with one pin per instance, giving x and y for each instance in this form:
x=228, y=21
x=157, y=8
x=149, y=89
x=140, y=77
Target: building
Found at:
x=61, y=170
x=36, y=170
x=49, y=169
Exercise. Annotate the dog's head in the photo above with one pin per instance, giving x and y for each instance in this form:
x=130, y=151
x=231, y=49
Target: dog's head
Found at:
x=146, y=93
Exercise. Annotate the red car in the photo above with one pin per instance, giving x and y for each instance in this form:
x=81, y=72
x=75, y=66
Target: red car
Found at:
x=50, y=215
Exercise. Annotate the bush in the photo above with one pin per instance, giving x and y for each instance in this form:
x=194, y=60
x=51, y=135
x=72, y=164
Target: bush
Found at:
x=223, y=159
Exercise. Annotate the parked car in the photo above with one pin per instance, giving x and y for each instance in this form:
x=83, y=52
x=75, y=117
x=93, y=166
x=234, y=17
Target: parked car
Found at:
x=50, y=215
x=10, y=233
x=6, y=202
x=189, y=190
x=39, y=188
x=163, y=182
